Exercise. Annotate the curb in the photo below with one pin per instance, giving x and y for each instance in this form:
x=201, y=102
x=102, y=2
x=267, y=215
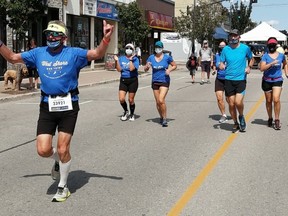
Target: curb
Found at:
x=33, y=94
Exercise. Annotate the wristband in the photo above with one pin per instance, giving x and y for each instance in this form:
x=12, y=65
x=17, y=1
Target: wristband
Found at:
x=1, y=43
x=106, y=42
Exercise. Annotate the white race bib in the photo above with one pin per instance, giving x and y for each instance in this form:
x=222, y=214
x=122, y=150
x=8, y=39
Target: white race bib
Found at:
x=59, y=103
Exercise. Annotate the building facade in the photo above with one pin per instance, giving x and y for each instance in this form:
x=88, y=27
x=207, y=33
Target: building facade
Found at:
x=159, y=15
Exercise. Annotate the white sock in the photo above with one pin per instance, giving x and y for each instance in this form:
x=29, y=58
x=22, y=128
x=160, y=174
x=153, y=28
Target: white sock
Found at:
x=64, y=172
x=55, y=155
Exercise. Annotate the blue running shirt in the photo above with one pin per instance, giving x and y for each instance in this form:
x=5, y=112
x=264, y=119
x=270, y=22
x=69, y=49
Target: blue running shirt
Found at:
x=58, y=72
x=236, y=61
x=220, y=73
x=159, y=68
x=274, y=73
x=124, y=64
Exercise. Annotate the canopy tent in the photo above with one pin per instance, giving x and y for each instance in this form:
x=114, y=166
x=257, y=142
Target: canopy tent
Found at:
x=220, y=33
x=262, y=32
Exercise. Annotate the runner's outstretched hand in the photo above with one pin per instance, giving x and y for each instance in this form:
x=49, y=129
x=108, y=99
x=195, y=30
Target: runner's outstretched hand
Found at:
x=107, y=30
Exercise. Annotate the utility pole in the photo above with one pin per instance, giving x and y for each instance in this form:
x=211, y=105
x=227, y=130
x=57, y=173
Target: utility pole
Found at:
x=193, y=39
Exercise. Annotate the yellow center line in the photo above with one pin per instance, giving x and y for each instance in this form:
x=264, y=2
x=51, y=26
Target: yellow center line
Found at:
x=192, y=189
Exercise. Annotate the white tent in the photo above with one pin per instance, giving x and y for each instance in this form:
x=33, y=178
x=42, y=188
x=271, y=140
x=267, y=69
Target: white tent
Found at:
x=262, y=32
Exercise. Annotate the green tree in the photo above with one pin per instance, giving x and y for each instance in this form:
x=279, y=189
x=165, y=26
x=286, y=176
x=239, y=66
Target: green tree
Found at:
x=240, y=17
x=200, y=21
x=132, y=25
x=20, y=14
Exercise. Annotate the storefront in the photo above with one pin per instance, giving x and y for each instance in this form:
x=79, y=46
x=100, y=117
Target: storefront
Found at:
x=3, y=63
x=159, y=16
x=158, y=23
x=86, y=25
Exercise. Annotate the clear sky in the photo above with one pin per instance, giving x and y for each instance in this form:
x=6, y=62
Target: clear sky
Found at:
x=274, y=12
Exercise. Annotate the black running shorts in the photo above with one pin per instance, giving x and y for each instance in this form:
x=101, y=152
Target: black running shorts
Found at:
x=129, y=84
x=65, y=121
x=233, y=87
x=267, y=86
x=206, y=66
x=219, y=84
x=157, y=85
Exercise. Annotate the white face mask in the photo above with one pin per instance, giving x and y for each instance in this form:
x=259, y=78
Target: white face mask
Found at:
x=128, y=52
x=158, y=50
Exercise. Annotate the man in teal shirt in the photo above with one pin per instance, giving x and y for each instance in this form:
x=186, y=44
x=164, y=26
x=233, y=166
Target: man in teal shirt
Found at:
x=234, y=60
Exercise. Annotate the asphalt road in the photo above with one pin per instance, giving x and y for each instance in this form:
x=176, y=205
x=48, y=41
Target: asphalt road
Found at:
x=194, y=167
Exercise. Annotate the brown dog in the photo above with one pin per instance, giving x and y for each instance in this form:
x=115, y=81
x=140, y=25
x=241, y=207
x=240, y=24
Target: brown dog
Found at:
x=15, y=77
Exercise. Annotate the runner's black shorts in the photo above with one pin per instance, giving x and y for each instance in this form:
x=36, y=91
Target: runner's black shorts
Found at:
x=157, y=85
x=206, y=66
x=233, y=87
x=267, y=86
x=65, y=121
x=129, y=84
x=219, y=84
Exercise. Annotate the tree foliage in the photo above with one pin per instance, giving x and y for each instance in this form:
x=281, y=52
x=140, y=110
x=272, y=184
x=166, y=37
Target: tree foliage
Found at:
x=240, y=17
x=132, y=25
x=200, y=21
x=21, y=13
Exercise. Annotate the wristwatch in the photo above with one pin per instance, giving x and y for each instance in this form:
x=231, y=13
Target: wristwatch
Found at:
x=1, y=43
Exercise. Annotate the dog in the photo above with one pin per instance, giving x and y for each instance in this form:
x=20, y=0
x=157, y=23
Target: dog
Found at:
x=15, y=77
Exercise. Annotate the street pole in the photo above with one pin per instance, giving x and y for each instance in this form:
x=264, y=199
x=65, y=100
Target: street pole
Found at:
x=193, y=26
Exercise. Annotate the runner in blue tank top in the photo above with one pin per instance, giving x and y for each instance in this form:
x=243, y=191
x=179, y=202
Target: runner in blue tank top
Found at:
x=160, y=78
x=271, y=64
x=234, y=60
x=58, y=67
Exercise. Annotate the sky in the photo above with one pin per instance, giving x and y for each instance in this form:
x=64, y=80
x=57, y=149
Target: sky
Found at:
x=274, y=12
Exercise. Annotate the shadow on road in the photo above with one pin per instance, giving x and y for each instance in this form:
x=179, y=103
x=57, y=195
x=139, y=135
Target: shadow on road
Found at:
x=259, y=122
x=76, y=180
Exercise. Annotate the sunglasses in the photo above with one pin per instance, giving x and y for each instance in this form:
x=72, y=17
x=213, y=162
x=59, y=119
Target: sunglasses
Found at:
x=53, y=34
x=130, y=48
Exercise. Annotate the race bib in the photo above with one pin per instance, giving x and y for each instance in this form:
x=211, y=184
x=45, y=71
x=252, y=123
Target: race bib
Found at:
x=59, y=103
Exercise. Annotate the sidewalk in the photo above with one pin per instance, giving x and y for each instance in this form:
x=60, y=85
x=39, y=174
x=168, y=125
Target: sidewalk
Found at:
x=87, y=77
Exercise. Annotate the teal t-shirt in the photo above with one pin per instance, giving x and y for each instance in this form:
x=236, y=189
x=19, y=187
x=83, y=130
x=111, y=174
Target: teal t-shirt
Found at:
x=236, y=61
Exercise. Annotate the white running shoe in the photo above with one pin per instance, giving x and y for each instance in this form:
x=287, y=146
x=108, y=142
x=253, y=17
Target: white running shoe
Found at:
x=223, y=119
x=55, y=172
x=131, y=118
x=62, y=194
x=125, y=116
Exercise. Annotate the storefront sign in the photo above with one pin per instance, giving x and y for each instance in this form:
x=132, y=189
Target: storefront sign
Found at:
x=89, y=7
x=107, y=11
x=160, y=21
x=73, y=7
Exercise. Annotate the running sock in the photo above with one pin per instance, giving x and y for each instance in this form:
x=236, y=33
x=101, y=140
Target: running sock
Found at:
x=64, y=172
x=132, y=109
x=124, y=105
x=55, y=155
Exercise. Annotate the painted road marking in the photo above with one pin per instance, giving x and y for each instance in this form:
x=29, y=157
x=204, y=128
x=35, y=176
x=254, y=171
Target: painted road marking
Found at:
x=198, y=181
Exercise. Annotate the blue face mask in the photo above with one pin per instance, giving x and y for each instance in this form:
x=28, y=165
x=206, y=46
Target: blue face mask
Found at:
x=234, y=41
x=54, y=44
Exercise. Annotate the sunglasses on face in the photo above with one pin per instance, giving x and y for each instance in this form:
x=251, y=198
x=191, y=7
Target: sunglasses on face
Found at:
x=53, y=34
x=130, y=48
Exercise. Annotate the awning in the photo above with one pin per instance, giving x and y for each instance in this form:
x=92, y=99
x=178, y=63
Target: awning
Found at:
x=220, y=33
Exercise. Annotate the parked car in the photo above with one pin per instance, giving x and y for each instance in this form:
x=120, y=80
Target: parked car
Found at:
x=258, y=50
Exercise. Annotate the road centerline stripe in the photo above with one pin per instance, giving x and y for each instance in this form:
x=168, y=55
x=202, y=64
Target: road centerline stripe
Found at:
x=198, y=181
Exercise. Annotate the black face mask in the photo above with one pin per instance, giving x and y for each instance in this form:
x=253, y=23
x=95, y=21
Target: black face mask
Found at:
x=272, y=48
